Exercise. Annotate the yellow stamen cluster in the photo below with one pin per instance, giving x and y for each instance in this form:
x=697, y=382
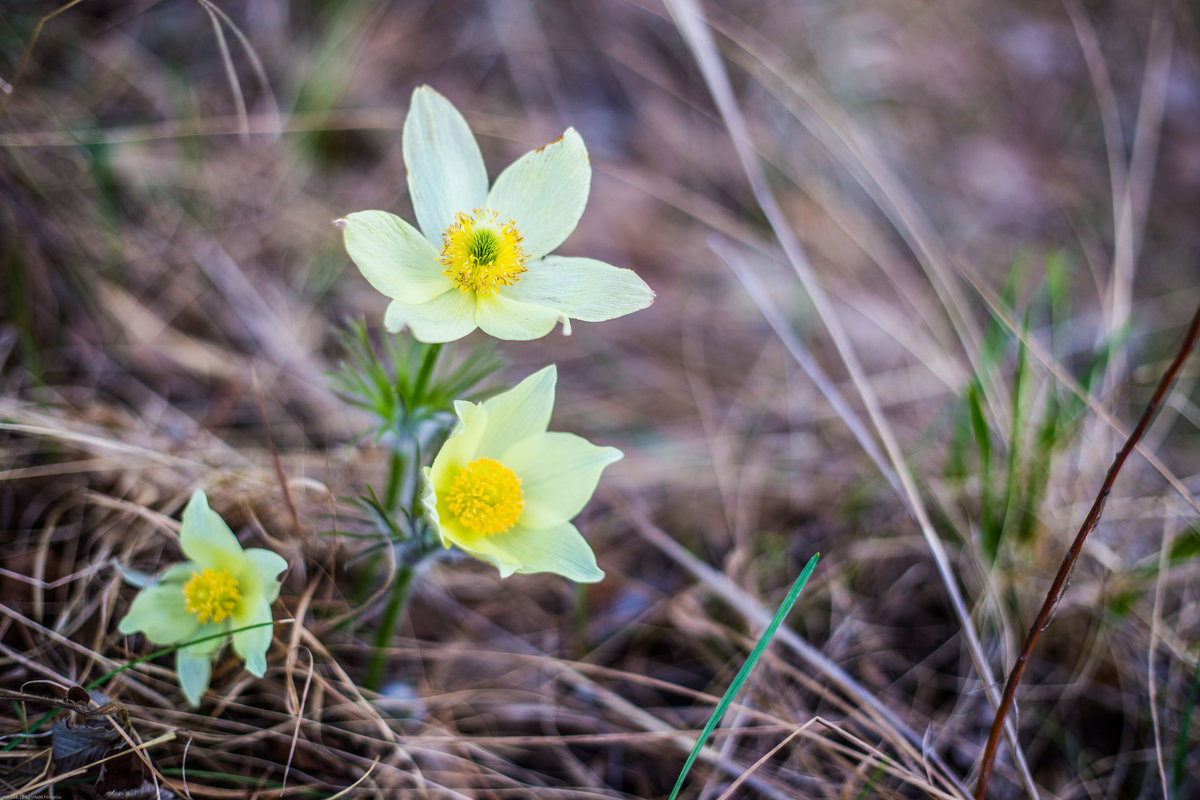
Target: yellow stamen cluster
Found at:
x=485, y=497
x=480, y=254
x=211, y=594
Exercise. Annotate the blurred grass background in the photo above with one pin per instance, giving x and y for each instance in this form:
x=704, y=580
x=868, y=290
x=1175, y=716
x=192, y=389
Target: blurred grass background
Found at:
x=999, y=200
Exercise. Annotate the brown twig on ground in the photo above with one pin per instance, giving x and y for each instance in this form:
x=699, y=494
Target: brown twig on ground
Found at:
x=1089, y=523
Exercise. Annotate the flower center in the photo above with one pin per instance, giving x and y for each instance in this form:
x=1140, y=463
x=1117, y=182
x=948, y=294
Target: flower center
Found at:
x=480, y=254
x=486, y=497
x=211, y=594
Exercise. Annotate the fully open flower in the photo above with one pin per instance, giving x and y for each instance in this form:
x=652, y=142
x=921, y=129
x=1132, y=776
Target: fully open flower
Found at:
x=221, y=588
x=482, y=258
x=504, y=489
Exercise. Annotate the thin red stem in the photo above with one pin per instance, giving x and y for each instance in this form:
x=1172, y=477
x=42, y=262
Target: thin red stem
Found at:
x=1060, y=580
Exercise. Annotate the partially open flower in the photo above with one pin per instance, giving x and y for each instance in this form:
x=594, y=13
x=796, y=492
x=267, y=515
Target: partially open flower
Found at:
x=483, y=259
x=221, y=588
x=504, y=489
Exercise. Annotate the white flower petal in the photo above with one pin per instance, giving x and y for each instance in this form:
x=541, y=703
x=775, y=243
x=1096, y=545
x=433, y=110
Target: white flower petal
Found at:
x=480, y=546
x=581, y=288
x=558, y=472
x=394, y=257
x=506, y=318
x=463, y=408
x=560, y=549
x=449, y=316
x=498, y=560
x=446, y=174
x=544, y=192
x=252, y=644
x=260, y=578
x=519, y=413
x=463, y=445
x=160, y=613
x=206, y=539
x=178, y=573
x=428, y=502
x=194, y=671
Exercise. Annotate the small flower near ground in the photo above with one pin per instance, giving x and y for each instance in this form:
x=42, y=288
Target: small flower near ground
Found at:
x=219, y=589
x=482, y=257
x=504, y=489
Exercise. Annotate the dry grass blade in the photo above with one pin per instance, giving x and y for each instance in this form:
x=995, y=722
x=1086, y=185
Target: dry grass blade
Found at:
x=235, y=85
x=695, y=32
x=767, y=756
x=797, y=350
x=172, y=295
x=37, y=786
x=10, y=87
x=351, y=787
x=1130, y=181
x=1155, y=622
x=273, y=118
x=759, y=615
x=856, y=152
x=279, y=473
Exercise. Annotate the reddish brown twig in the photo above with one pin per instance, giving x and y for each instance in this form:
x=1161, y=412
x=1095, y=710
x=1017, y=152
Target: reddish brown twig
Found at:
x=1089, y=523
x=279, y=474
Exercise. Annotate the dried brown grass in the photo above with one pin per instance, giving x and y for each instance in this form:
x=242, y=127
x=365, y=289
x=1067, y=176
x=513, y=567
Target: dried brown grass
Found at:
x=163, y=271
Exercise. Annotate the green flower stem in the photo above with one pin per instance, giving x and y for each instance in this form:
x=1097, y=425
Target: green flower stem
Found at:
x=399, y=466
x=402, y=465
x=405, y=457
x=401, y=589
x=427, y=364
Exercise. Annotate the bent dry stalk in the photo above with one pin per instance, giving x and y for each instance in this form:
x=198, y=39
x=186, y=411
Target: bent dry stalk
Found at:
x=1089, y=523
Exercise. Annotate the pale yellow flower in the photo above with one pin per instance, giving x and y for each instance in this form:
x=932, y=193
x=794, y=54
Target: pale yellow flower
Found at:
x=504, y=489
x=482, y=257
x=220, y=589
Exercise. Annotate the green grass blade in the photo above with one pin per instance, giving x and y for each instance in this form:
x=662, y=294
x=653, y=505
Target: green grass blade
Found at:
x=105, y=678
x=869, y=786
x=1179, y=790
x=989, y=528
x=744, y=672
x=1016, y=463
